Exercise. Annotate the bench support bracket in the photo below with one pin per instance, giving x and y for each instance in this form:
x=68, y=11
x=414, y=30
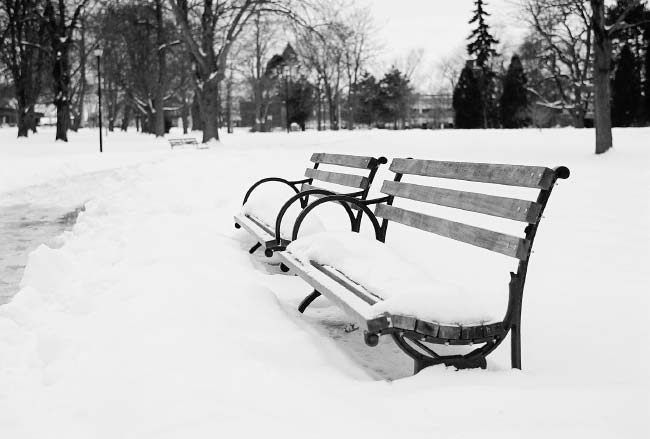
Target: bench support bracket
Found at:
x=423, y=356
x=307, y=301
x=255, y=247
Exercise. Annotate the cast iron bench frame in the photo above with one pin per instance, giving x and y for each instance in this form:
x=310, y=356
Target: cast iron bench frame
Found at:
x=269, y=236
x=409, y=332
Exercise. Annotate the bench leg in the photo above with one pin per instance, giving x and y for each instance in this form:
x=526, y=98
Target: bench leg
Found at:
x=253, y=248
x=307, y=301
x=515, y=347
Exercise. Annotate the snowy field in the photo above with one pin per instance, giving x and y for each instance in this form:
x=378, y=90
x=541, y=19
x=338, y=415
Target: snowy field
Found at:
x=149, y=319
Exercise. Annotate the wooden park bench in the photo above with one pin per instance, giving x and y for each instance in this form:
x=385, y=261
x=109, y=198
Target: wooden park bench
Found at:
x=268, y=231
x=184, y=141
x=416, y=335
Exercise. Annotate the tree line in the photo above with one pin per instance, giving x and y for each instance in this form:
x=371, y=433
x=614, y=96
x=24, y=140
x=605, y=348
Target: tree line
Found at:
x=192, y=57
x=579, y=58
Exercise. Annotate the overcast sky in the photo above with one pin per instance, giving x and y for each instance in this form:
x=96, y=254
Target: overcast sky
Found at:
x=438, y=26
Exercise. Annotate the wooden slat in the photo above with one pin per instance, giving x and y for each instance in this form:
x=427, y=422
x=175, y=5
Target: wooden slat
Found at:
x=307, y=186
x=404, y=322
x=351, y=302
x=348, y=283
x=350, y=180
x=352, y=161
x=449, y=332
x=488, y=239
x=512, y=175
x=511, y=208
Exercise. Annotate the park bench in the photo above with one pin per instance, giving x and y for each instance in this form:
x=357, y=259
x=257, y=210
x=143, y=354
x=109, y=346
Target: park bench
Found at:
x=415, y=333
x=267, y=228
x=184, y=141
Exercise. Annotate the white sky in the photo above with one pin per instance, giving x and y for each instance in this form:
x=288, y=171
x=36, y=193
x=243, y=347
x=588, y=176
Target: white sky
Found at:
x=438, y=26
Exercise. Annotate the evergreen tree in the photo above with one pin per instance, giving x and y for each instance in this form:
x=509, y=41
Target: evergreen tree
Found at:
x=480, y=47
x=366, y=92
x=514, y=100
x=467, y=100
x=481, y=41
x=394, y=97
x=301, y=101
x=626, y=90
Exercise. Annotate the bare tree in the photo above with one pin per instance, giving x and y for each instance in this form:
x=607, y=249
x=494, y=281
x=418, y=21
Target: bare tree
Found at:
x=602, y=66
x=62, y=18
x=358, y=50
x=209, y=29
x=565, y=32
x=22, y=50
x=258, y=45
x=320, y=47
x=450, y=66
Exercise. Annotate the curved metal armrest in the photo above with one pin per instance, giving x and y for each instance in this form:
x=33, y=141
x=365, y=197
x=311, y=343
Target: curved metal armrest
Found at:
x=291, y=184
x=293, y=199
x=343, y=200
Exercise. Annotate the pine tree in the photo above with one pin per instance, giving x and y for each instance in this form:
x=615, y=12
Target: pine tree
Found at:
x=367, y=94
x=481, y=41
x=480, y=47
x=467, y=100
x=626, y=90
x=514, y=100
x=394, y=94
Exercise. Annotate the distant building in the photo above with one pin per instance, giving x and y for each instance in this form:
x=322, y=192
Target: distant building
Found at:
x=432, y=111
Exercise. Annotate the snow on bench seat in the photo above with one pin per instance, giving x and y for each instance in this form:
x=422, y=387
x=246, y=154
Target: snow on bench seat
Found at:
x=390, y=283
x=264, y=212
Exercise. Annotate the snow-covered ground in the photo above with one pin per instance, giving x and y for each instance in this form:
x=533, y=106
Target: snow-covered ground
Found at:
x=149, y=319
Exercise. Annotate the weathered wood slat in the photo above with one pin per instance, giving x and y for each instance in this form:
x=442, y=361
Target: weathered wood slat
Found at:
x=351, y=161
x=488, y=239
x=512, y=175
x=511, y=208
x=350, y=180
x=307, y=187
x=325, y=281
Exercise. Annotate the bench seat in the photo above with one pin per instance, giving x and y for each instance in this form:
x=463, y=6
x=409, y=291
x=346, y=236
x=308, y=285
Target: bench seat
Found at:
x=381, y=290
x=258, y=217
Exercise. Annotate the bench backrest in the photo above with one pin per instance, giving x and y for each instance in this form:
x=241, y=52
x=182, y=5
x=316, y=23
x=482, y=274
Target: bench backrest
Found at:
x=358, y=184
x=525, y=211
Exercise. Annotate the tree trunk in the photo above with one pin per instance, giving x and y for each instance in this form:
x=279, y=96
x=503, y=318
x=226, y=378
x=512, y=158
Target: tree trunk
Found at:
x=208, y=99
x=602, y=68
x=159, y=104
x=195, y=113
x=229, y=105
x=61, y=75
x=319, y=111
x=79, y=110
x=350, y=110
x=126, y=116
x=185, y=116
x=24, y=123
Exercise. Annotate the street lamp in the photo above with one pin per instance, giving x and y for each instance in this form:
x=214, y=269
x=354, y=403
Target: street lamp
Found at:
x=98, y=54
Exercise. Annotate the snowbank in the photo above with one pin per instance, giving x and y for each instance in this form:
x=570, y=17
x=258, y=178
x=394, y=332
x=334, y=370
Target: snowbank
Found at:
x=149, y=318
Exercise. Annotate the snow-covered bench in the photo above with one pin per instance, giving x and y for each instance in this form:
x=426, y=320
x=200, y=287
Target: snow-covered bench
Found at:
x=270, y=221
x=184, y=141
x=385, y=295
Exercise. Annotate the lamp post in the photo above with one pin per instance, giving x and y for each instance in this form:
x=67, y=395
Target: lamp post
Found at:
x=98, y=54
